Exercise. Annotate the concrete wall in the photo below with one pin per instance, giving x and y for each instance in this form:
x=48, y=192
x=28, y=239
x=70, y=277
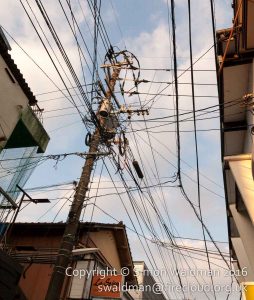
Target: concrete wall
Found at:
x=139, y=269
x=241, y=175
x=145, y=279
x=249, y=115
x=105, y=241
x=12, y=100
x=246, y=232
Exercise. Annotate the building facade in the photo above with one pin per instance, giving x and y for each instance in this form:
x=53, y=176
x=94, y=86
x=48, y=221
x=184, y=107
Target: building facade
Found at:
x=99, y=247
x=22, y=134
x=235, y=51
x=146, y=284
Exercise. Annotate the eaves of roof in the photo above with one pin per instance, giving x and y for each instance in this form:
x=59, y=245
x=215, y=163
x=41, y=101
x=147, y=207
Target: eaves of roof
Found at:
x=16, y=72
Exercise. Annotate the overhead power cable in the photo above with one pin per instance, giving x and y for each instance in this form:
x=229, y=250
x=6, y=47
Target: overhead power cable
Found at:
x=183, y=72
x=146, y=237
x=172, y=70
x=176, y=86
x=49, y=55
x=196, y=146
x=54, y=156
x=59, y=90
x=166, y=82
x=146, y=249
x=186, y=175
x=67, y=61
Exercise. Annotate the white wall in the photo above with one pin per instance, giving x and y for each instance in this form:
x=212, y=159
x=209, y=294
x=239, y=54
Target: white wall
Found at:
x=246, y=186
x=12, y=100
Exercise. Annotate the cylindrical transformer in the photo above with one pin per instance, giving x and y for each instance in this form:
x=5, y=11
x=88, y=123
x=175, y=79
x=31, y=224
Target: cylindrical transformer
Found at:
x=105, y=108
x=137, y=169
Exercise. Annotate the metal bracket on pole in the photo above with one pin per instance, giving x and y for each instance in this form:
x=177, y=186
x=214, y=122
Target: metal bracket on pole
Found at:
x=127, y=110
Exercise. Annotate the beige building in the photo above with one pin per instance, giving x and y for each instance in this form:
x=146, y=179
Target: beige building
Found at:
x=98, y=247
x=146, y=284
x=236, y=81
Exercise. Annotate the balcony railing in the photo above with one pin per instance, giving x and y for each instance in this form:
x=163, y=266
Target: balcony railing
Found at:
x=38, y=112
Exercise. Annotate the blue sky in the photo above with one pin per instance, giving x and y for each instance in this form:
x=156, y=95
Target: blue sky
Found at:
x=144, y=30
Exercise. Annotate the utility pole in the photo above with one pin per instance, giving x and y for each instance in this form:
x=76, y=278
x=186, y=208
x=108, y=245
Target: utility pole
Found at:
x=71, y=229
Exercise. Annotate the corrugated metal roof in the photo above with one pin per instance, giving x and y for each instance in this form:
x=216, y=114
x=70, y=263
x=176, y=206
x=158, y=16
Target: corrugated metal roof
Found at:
x=84, y=224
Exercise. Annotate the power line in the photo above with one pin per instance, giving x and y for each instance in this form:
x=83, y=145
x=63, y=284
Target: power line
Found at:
x=170, y=95
x=67, y=61
x=150, y=256
x=167, y=82
x=140, y=81
x=180, y=70
x=196, y=145
x=59, y=90
x=54, y=156
x=186, y=175
x=47, y=51
x=183, y=72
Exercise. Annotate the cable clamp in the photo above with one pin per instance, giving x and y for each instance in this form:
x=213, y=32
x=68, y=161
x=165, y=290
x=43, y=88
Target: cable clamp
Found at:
x=247, y=99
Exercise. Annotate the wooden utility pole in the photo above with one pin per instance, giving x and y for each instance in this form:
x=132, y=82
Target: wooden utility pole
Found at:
x=71, y=229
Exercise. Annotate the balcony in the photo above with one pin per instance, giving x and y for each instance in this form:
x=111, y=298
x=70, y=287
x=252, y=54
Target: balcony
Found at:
x=29, y=132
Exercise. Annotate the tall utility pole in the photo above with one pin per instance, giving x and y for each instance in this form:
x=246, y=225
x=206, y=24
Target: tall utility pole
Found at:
x=71, y=229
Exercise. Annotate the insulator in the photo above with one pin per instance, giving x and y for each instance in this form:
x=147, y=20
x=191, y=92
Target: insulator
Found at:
x=88, y=139
x=123, y=142
x=137, y=169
